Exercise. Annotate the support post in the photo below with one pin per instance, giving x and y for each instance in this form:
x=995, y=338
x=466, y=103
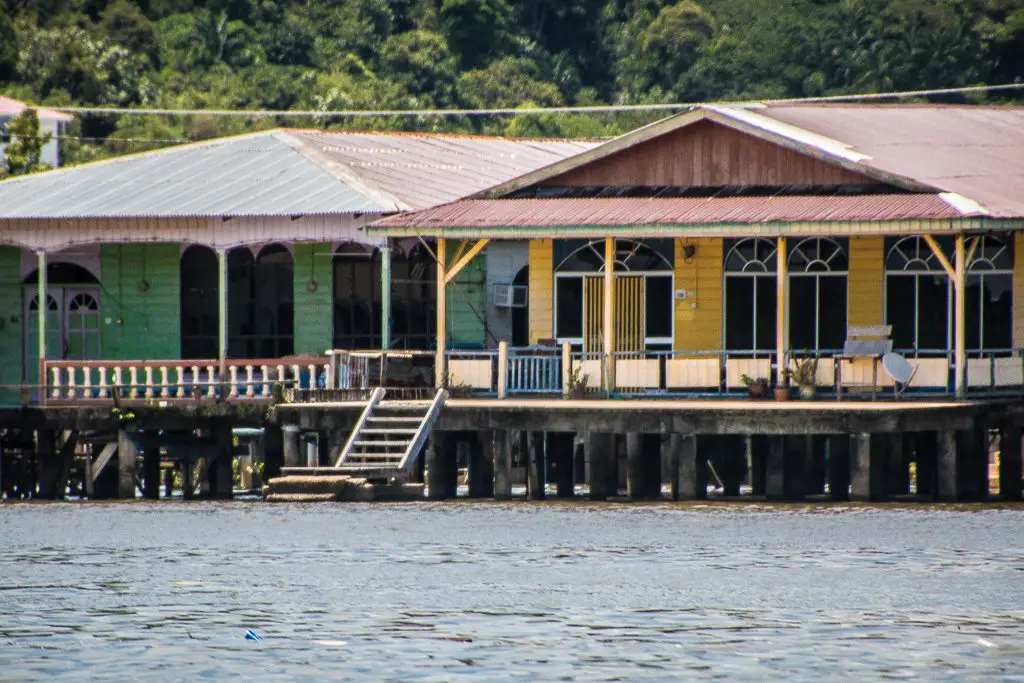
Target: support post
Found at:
x=223, y=473
x=502, y=369
x=442, y=466
x=561, y=447
x=839, y=466
x=600, y=448
x=502, y=464
x=959, y=318
x=188, y=480
x=535, y=472
x=868, y=467
x=41, y=322
x=781, y=310
x=691, y=478
x=273, y=452
x=775, y=468
x=609, y=314
x=440, y=371
x=385, y=297
x=1010, y=462
x=292, y=452
x=126, y=454
x=946, y=465
x=758, y=460
x=481, y=466
x=47, y=464
x=222, y=308
x=151, y=473
x=635, y=474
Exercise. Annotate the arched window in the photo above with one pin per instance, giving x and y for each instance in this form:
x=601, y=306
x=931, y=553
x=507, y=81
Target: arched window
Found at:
x=82, y=326
x=413, y=298
x=644, y=276
x=750, y=266
x=989, y=296
x=817, y=294
x=199, y=298
x=357, y=307
x=260, y=303
x=918, y=296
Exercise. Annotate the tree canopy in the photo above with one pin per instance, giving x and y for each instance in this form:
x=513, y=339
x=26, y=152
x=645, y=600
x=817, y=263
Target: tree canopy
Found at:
x=399, y=54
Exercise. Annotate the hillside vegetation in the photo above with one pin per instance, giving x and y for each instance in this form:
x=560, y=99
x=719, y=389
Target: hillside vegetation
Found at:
x=410, y=54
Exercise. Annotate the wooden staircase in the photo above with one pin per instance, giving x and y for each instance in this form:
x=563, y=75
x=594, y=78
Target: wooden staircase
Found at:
x=375, y=461
x=389, y=436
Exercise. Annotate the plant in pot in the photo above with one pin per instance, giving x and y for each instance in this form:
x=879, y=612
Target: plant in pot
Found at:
x=781, y=391
x=757, y=387
x=578, y=381
x=804, y=374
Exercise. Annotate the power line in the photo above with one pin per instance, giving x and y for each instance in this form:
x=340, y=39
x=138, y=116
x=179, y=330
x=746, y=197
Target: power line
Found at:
x=7, y=138
x=592, y=109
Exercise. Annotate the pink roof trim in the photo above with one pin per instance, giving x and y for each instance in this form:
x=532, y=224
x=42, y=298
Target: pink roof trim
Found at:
x=10, y=105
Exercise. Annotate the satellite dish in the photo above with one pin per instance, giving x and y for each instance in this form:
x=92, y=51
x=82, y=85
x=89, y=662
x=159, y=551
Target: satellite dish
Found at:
x=898, y=367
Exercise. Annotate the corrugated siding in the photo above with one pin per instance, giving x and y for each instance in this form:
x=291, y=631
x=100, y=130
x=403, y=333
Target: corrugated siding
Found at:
x=1018, y=290
x=314, y=314
x=698, y=323
x=10, y=323
x=467, y=305
x=151, y=321
x=542, y=281
x=866, y=291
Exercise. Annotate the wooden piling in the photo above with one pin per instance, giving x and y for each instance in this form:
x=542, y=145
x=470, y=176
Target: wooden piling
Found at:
x=442, y=466
x=536, y=469
x=947, y=481
x=775, y=468
x=692, y=474
x=273, y=452
x=561, y=448
x=600, y=447
x=839, y=466
x=168, y=482
x=635, y=466
x=151, y=473
x=481, y=466
x=1010, y=461
x=126, y=457
x=47, y=464
x=868, y=467
x=224, y=484
x=502, y=464
x=188, y=480
x=758, y=459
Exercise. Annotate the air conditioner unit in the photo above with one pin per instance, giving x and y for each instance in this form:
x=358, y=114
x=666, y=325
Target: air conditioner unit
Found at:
x=510, y=296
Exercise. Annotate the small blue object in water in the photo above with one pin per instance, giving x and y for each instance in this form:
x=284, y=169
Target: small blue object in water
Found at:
x=252, y=635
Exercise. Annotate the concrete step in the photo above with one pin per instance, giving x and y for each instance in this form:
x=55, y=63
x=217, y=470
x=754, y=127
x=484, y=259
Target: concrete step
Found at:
x=388, y=431
x=336, y=487
x=391, y=444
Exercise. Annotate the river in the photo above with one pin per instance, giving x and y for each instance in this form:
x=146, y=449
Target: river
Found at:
x=487, y=591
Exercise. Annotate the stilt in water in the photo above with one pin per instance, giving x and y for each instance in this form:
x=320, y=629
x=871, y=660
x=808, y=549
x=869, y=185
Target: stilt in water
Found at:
x=502, y=464
x=536, y=470
x=151, y=473
x=126, y=464
x=1010, y=462
x=561, y=448
x=273, y=452
x=481, y=466
x=839, y=466
x=600, y=449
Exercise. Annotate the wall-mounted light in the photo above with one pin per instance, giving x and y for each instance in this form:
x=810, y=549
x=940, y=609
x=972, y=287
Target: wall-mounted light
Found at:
x=143, y=286
x=689, y=251
x=311, y=286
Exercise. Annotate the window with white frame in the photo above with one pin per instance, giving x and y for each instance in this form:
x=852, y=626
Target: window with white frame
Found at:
x=750, y=266
x=818, y=269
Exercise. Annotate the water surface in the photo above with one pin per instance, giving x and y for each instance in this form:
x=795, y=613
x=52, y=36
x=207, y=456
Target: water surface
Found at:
x=458, y=591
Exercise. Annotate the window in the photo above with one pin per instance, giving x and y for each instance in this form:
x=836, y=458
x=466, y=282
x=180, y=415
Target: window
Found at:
x=817, y=294
x=260, y=303
x=918, y=296
x=647, y=294
x=750, y=266
x=199, y=297
x=988, y=305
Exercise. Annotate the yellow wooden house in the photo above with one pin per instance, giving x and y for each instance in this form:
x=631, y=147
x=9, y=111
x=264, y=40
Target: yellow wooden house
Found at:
x=730, y=241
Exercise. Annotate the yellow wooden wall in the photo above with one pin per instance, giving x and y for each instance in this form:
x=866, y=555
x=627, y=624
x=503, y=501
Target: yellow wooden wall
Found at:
x=1018, y=290
x=866, y=290
x=542, y=282
x=698, y=316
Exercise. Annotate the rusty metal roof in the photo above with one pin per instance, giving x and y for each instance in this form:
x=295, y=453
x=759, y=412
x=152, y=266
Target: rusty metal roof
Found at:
x=974, y=151
x=281, y=173
x=615, y=211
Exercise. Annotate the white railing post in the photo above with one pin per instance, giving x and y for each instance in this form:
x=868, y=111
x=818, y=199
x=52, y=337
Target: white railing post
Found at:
x=55, y=372
x=118, y=379
x=149, y=382
x=211, y=382
x=196, y=390
x=86, y=381
x=266, y=380
x=104, y=393
x=566, y=368
x=297, y=375
x=233, y=381
x=250, y=390
x=502, y=369
x=180, y=381
x=312, y=377
x=281, y=377
x=133, y=377
x=165, y=379
x=71, y=383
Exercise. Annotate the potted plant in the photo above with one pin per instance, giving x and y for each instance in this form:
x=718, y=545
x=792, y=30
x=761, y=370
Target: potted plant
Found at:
x=578, y=380
x=781, y=391
x=805, y=373
x=757, y=387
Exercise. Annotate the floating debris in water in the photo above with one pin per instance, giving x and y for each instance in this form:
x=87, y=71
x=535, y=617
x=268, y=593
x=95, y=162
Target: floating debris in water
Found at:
x=252, y=635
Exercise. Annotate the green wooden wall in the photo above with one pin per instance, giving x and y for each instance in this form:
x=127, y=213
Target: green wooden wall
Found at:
x=467, y=306
x=314, y=312
x=11, y=330
x=149, y=327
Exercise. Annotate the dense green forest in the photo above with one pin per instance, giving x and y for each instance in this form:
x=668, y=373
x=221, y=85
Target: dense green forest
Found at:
x=410, y=54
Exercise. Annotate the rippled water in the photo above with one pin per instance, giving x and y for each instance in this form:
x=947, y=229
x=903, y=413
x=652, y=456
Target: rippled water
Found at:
x=165, y=591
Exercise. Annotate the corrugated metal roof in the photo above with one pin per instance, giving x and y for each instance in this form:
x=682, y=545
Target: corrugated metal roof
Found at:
x=975, y=151
x=508, y=213
x=426, y=170
x=280, y=173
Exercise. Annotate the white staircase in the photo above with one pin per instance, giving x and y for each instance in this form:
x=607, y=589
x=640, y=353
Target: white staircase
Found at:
x=389, y=436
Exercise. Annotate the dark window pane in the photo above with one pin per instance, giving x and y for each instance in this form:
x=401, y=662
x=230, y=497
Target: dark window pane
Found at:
x=569, y=314
x=765, y=313
x=802, y=312
x=899, y=310
x=739, y=313
x=972, y=311
x=933, y=312
x=997, y=298
x=832, y=312
x=659, y=307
